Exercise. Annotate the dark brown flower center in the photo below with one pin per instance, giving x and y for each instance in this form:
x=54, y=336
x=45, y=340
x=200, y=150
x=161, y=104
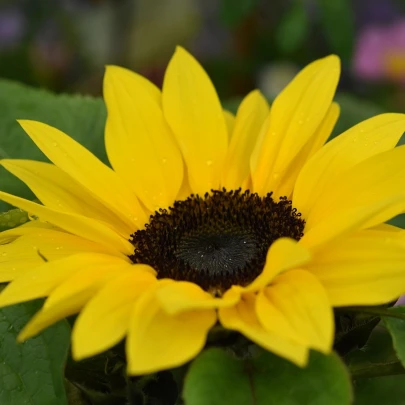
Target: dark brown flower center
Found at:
x=215, y=241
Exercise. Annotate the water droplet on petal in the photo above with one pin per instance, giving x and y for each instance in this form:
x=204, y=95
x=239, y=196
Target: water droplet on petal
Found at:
x=132, y=217
x=55, y=144
x=209, y=162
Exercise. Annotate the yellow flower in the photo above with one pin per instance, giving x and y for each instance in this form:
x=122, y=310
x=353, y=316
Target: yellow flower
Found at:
x=248, y=221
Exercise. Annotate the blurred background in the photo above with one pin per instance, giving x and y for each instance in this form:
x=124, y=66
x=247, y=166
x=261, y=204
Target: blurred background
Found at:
x=63, y=45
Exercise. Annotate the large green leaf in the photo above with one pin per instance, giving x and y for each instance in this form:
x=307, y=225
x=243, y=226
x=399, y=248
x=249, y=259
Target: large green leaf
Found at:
x=368, y=366
x=377, y=349
x=32, y=372
x=388, y=390
x=215, y=378
x=83, y=118
x=396, y=328
x=376, y=358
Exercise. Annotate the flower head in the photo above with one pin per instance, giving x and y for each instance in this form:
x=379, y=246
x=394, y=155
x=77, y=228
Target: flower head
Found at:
x=249, y=221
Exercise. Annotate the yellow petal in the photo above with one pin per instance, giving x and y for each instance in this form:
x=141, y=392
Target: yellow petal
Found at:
x=185, y=189
x=193, y=111
x=30, y=250
x=139, y=143
x=86, y=169
x=33, y=226
x=93, y=279
x=375, y=180
x=303, y=301
x=183, y=296
x=369, y=138
x=157, y=341
x=284, y=254
x=71, y=296
x=82, y=226
x=348, y=221
x=386, y=228
x=42, y=280
x=274, y=320
x=242, y=318
x=47, y=317
x=367, y=268
x=230, y=122
x=285, y=183
x=324, y=131
x=57, y=190
x=104, y=321
x=249, y=120
x=294, y=118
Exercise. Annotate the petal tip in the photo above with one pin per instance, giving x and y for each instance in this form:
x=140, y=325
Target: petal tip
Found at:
x=331, y=63
x=111, y=69
x=333, y=59
x=25, y=334
x=77, y=353
x=180, y=49
x=183, y=53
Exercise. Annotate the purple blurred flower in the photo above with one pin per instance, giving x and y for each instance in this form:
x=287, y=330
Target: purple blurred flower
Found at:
x=12, y=27
x=380, y=53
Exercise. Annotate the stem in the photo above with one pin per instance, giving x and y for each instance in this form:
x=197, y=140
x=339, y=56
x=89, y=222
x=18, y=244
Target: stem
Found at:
x=376, y=311
x=377, y=370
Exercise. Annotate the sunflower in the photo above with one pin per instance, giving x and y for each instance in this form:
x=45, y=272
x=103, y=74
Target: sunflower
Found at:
x=251, y=221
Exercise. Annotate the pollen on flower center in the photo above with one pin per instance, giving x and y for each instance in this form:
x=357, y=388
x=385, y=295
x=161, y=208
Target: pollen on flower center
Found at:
x=215, y=241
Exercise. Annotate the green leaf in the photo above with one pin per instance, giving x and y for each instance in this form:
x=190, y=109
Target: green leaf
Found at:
x=337, y=22
x=388, y=390
x=292, y=29
x=216, y=377
x=83, y=118
x=31, y=372
x=376, y=359
x=233, y=12
x=396, y=328
x=377, y=349
x=353, y=330
x=12, y=218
